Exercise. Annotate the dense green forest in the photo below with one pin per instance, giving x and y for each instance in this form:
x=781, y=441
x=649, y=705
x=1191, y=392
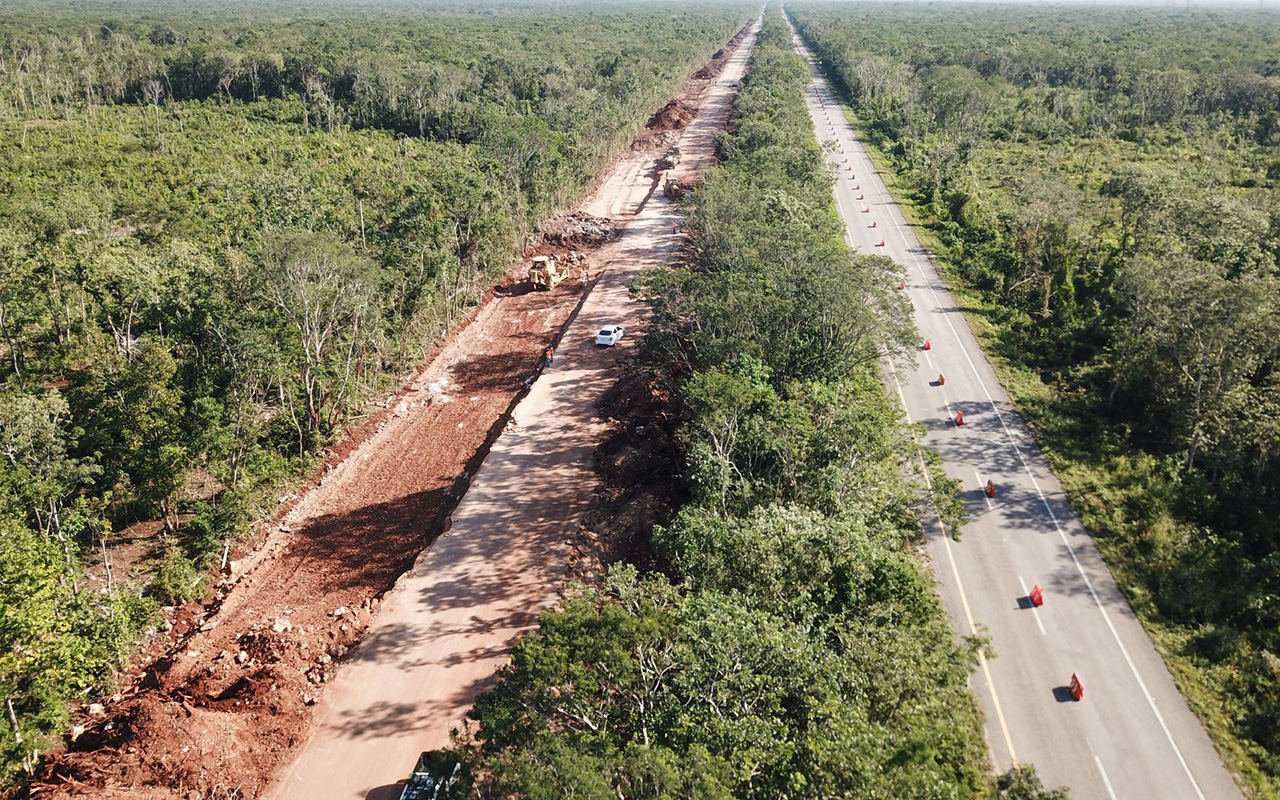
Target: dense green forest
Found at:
x=221, y=228
x=1102, y=188
x=790, y=645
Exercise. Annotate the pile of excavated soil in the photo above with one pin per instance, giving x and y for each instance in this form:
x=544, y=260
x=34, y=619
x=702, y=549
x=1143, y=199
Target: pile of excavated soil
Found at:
x=713, y=69
x=716, y=65
x=576, y=229
x=663, y=128
x=655, y=140
x=673, y=116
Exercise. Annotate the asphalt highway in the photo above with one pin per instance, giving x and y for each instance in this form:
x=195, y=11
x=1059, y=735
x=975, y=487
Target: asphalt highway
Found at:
x=1132, y=735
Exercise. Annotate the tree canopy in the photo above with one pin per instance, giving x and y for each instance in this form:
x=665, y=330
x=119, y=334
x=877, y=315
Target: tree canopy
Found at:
x=791, y=645
x=223, y=228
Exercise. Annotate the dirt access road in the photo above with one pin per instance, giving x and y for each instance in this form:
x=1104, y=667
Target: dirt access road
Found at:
x=246, y=679
x=450, y=622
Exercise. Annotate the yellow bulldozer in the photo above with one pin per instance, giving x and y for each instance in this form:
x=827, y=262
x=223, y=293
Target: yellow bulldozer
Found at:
x=544, y=273
x=677, y=188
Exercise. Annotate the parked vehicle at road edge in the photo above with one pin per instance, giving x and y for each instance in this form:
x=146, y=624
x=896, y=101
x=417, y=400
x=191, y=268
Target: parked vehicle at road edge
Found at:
x=437, y=775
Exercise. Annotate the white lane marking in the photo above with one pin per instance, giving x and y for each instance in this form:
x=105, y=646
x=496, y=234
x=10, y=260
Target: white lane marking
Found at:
x=955, y=572
x=982, y=488
x=1035, y=611
x=946, y=402
x=1124, y=651
x=840, y=207
x=951, y=560
x=848, y=237
x=1105, y=780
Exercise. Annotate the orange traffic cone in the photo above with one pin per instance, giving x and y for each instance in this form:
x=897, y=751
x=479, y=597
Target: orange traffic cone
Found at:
x=991, y=488
x=1037, y=596
x=859, y=196
x=942, y=379
x=1076, y=687
x=857, y=186
x=901, y=286
x=866, y=210
x=927, y=346
x=959, y=417
x=873, y=223
x=881, y=243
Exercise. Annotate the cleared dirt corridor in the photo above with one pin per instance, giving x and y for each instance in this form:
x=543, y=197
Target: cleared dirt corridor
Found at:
x=450, y=622
x=308, y=677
